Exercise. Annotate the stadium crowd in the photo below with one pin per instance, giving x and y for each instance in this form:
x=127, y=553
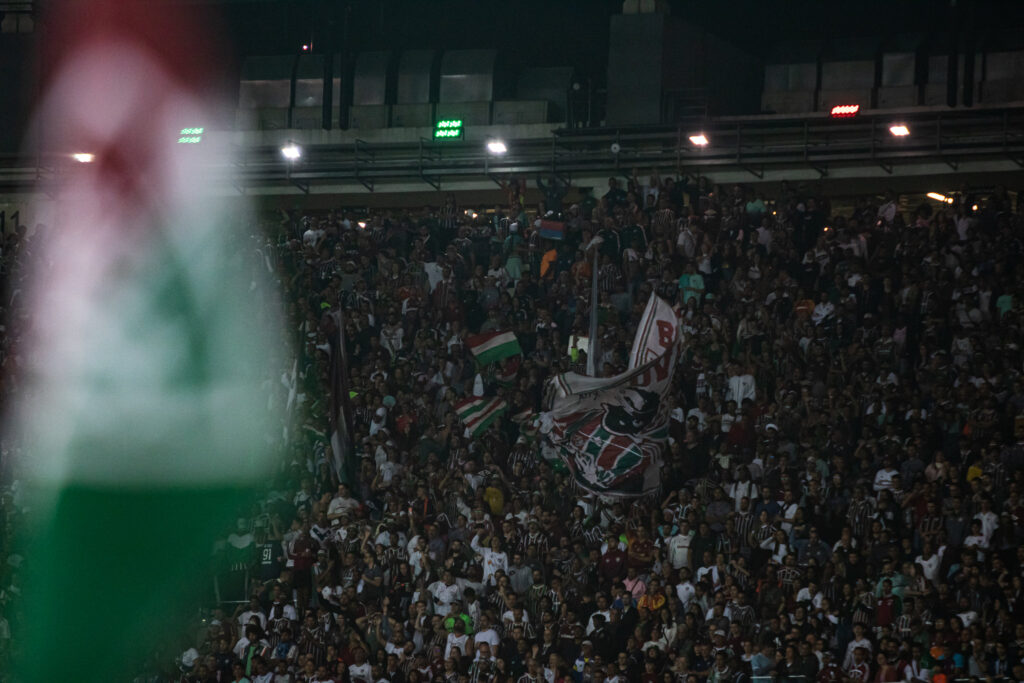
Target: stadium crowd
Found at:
x=840, y=496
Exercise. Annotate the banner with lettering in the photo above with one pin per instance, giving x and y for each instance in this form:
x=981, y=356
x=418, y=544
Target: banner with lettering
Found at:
x=609, y=431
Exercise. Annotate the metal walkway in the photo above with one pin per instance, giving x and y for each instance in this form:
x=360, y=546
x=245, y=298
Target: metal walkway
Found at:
x=750, y=145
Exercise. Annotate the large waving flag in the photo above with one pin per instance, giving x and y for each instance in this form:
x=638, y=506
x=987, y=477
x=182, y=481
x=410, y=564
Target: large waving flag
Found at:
x=145, y=418
x=609, y=430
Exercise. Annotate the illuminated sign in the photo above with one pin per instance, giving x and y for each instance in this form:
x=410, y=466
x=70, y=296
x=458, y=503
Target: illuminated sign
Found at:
x=844, y=111
x=190, y=136
x=448, y=129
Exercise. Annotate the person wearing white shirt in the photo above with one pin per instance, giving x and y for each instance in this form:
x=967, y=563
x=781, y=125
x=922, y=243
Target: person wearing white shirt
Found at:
x=678, y=547
x=342, y=503
x=486, y=634
x=858, y=641
x=989, y=520
x=823, y=310
x=740, y=386
x=811, y=594
x=602, y=609
x=977, y=540
x=743, y=487
x=418, y=555
x=687, y=241
x=684, y=589
x=254, y=611
x=389, y=469
x=929, y=562
x=283, y=610
x=444, y=592
x=883, y=478
x=702, y=422
x=492, y=559
x=457, y=638
x=788, y=511
x=360, y=672
x=887, y=211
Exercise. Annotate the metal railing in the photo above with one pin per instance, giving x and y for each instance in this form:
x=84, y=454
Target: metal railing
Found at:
x=750, y=144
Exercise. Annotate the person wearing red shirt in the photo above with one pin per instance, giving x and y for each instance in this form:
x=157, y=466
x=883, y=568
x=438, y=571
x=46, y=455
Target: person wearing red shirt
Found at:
x=830, y=671
x=303, y=557
x=888, y=607
x=612, y=564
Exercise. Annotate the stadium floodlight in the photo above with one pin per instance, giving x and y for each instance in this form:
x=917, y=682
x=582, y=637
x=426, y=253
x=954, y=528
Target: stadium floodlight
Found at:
x=699, y=139
x=83, y=157
x=939, y=197
x=899, y=130
x=496, y=147
x=291, y=151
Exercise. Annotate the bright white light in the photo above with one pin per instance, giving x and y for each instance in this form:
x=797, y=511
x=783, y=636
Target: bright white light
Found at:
x=899, y=130
x=291, y=151
x=699, y=139
x=938, y=197
x=496, y=147
x=974, y=207
x=83, y=157
x=362, y=225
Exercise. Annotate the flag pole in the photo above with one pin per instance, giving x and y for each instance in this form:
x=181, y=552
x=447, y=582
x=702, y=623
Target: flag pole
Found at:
x=592, y=348
x=344, y=404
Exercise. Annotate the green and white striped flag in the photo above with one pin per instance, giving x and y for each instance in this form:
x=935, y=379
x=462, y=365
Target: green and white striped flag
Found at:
x=479, y=413
x=145, y=413
x=493, y=346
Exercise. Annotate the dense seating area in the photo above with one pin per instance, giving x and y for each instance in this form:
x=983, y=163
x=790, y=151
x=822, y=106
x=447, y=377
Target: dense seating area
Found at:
x=840, y=494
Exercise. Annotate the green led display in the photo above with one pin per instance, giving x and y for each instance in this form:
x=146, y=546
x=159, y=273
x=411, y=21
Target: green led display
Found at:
x=448, y=128
x=190, y=136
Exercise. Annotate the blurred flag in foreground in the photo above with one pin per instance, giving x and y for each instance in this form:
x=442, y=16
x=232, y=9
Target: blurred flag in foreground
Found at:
x=143, y=424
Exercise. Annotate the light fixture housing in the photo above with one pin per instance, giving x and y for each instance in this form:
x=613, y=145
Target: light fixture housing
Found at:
x=700, y=140
x=291, y=151
x=496, y=147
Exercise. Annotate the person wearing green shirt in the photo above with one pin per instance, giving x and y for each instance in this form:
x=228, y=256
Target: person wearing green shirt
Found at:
x=691, y=284
x=457, y=613
x=1004, y=303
